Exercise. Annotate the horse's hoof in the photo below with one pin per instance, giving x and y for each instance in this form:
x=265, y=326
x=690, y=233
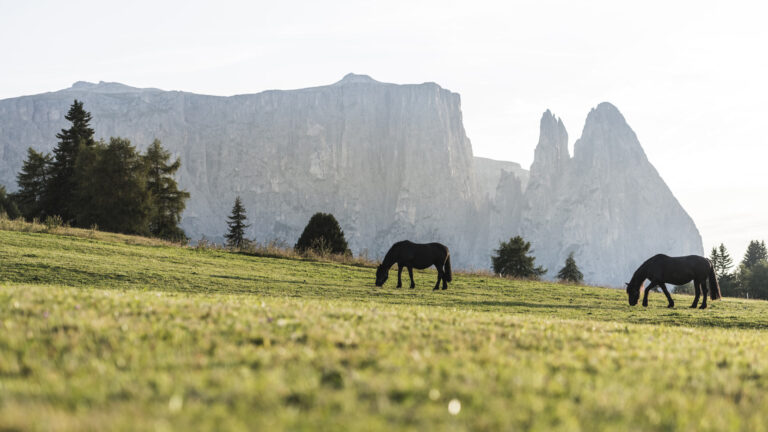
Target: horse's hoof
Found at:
x=413, y=286
x=693, y=306
x=645, y=304
x=445, y=288
x=703, y=306
x=399, y=286
x=671, y=305
x=435, y=289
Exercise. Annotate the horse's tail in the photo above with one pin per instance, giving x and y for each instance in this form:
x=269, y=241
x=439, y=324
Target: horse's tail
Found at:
x=714, y=287
x=448, y=275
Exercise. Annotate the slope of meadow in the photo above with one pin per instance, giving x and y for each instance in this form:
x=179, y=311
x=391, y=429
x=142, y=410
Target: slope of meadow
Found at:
x=106, y=333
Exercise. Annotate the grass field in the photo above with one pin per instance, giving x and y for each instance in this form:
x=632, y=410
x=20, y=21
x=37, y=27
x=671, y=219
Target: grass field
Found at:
x=108, y=333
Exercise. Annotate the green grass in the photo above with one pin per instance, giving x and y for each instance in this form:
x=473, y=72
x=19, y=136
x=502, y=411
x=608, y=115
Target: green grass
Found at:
x=109, y=335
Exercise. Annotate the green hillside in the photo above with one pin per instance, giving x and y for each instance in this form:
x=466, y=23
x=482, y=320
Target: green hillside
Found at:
x=114, y=335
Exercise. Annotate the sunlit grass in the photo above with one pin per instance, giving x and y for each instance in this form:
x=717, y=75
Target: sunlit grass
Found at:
x=110, y=335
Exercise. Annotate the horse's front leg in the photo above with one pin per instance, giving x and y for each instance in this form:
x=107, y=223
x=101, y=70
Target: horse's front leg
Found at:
x=703, y=295
x=399, y=275
x=697, y=293
x=669, y=297
x=647, y=291
x=410, y=273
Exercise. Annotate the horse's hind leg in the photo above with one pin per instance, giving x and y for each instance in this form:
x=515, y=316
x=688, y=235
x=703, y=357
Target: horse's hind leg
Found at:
x=669, y=297
x=399, y=275
x=697, y=292
x=439, y=276
x=703, y=294
x=410, y=273
x=445, y=283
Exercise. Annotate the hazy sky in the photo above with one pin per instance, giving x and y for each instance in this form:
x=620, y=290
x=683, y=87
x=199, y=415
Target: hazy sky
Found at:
x=691, y=77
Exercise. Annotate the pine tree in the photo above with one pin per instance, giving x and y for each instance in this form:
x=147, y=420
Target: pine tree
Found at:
x=33, y=180
x=8, y=206
x=62, y=187
x=570, y=272
x=166, y=198
x=112, y=189
x=724, y=261
x=322, y=234
x=756, y=253
x=236, y=223
x=512, y=259
x=755, y=280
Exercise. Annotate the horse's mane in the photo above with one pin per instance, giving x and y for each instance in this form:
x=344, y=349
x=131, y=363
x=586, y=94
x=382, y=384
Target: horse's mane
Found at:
x=639, y=274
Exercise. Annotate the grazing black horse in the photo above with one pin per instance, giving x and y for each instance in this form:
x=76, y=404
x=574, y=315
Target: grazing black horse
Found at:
x=661, y=269
x=408, y=254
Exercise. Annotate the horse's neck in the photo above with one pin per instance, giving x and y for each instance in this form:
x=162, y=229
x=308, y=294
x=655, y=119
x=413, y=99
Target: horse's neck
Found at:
x=389, y=259
x=639, y=276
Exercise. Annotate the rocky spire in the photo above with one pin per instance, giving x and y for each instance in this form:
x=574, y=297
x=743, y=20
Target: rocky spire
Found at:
x=551, y=155
x=607, y=141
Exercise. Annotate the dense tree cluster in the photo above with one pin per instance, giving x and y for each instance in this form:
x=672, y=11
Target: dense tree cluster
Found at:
x=107, y=184
x=750, y=278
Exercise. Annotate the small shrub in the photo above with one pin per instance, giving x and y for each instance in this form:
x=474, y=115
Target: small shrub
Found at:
x=53, y=222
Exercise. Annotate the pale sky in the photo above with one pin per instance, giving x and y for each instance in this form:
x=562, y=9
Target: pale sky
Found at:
x=691, y=77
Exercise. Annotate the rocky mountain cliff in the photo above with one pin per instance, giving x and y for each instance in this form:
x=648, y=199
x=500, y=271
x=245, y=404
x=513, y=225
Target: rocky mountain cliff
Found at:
x=607, y=204
x=390, y=162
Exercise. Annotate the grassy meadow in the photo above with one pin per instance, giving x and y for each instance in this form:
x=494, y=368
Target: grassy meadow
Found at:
x=105, y=332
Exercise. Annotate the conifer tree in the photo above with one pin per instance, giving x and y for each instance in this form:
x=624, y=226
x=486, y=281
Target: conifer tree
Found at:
x=61, y=189
x=236, y=223
x=512, y=259
x=721, y=260
x=322, y=234
x=112, y=189
x=33, y=180
x=570, y=272
x=756, y=253
x=167, y=200
x=8, y=207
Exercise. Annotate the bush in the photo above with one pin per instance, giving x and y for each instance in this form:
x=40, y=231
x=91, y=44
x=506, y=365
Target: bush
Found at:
x=322, y=235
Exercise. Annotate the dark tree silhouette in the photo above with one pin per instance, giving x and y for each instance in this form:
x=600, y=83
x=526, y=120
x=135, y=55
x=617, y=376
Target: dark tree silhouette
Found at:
x=33, y=181
x=112, y=188
x=756, y=253
x=167, y=201
x=7, y=205
x=512, y=259
x=721, y=260
x=322, y=234
x=236, y=223
x=570, y=272
x=61, y=189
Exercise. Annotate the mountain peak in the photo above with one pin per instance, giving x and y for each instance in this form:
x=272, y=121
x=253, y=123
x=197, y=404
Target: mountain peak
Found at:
x=107, y=87
x=352, y=78
x=551, y=152
x=607, y=138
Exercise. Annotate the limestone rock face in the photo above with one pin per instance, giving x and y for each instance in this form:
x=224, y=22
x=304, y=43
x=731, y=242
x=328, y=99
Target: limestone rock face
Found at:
x=607, y=204
x=390, y=162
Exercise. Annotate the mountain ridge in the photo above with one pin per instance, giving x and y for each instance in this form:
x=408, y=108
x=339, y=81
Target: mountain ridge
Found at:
x=391, y=161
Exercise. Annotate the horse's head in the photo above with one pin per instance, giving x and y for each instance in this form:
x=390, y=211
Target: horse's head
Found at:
x=381, y=275
x=633, y=291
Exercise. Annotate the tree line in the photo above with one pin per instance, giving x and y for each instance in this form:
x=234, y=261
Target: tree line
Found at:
x=110, y=185
x=750, y=278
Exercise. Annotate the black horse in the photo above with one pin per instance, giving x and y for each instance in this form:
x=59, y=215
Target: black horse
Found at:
x=408, y=254
x=661, y=269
